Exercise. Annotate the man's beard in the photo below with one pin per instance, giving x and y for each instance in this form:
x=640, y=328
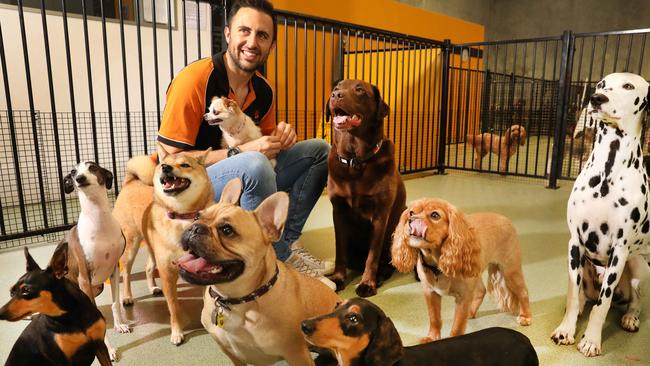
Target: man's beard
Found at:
x=234, y=56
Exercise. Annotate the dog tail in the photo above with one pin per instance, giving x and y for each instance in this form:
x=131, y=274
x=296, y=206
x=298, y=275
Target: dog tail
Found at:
x=498, y=289
x=141, y=168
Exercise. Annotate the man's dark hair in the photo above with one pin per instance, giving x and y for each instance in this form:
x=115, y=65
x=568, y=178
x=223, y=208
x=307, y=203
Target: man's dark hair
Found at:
x=263, y=6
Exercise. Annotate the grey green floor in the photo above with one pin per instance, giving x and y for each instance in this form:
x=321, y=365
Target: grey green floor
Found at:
x=538, y=213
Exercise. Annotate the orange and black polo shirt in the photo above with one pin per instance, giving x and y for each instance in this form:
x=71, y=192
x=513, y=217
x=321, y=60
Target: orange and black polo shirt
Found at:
x=191, y=92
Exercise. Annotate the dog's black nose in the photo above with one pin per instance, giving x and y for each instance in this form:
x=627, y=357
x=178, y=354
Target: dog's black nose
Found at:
x=167, y=168
x=81, y=179
x=307, y=327
x=598, y=99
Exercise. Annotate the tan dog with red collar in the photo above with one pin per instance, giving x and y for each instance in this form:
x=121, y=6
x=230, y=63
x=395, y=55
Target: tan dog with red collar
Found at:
x=254, y=304
x=159, y=215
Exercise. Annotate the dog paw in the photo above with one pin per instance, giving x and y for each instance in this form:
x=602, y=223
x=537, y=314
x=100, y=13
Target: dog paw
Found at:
x=122, y=328
x=127, y=301
x=338, y=280
x=156, y=291
x=177, y=338
x=112, y=354
x=562, y=336
x=630, y=322
x=588, y=347
x=524, y=320
x=366, y=290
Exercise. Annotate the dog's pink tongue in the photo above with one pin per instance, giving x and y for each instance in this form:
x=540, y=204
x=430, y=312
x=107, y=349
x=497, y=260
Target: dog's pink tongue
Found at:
x=192, y=264
x=346, y=121
x=418, y=228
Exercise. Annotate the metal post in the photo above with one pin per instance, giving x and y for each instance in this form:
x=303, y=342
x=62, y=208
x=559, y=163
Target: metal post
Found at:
x=444, y=104
x=561, y=113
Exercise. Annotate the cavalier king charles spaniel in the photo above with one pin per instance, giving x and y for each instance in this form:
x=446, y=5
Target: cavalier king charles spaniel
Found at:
x=450, y=251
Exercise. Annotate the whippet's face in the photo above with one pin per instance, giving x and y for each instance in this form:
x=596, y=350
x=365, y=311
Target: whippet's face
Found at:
x=87, y=175
x=620, y=101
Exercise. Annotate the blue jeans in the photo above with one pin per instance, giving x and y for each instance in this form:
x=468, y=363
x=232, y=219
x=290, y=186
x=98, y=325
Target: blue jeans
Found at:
x=300, y=171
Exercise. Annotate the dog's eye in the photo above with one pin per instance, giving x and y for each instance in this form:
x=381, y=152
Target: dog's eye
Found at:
x=25, y=291
x=226, y=230
x=92, y=168
x=628, y=86
x=73, y=172
x=435, y=215
x=185, y=165
x=353, y=318
x=599, y=85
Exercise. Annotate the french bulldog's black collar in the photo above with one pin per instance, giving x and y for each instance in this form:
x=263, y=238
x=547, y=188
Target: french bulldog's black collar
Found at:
x=224, y=303
x=431, y=267
x=354, y=162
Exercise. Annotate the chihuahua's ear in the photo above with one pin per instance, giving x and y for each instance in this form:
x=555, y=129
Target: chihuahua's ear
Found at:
x=201, y=159
x=68, y=184
x=162, y=153
x=272, y=214
x=59, y=262
x=231, y=192
x=31, y=263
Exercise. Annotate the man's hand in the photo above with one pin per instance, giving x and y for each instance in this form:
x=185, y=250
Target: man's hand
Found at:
x=286, y=134
x=267, y=145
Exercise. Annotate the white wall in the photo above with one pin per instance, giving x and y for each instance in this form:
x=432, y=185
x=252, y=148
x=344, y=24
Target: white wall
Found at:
x=36, y=49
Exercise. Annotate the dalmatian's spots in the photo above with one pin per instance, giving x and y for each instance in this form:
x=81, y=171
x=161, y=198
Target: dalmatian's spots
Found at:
x=578, y=280
x=645, y=227
x=614, y=146
x=619, y=133
x=604, y=228
x=595, y=194
x=611, y=279
x=594, y=181
x=585, y=226
x=619, y=234
x=636, y=101
x=643, y=189
x=622, y=201
x=592, y=242
x=575, y=257
x=615, y=261
x=635, y=215
x=608, y=292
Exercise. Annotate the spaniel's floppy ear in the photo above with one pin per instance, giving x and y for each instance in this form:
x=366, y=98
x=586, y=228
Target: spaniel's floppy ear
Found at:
x=404, y=256
x=460, y=254
x=522, y=135
x=385, y=347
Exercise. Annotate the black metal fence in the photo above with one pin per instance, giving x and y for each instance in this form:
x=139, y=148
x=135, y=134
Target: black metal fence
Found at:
x=88, y=83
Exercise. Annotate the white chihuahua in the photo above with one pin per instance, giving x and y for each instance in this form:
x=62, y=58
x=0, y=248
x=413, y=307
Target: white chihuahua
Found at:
x=237, y=127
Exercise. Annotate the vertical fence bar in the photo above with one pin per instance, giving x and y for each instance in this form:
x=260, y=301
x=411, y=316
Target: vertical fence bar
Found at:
x=73, y=108
x=111, y=129
x=141, y=74
x=185, y=32
x=55, y=124
x=560, y=115
x=169, y=36
x=32, y=113
x=198, y=29
x=126, y=86
x=306, y=82
x=14, y=142
x=444, y=102
x=154, y=32
x=89, y=70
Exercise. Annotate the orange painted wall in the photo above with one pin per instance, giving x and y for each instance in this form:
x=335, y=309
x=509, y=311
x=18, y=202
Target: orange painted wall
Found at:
x=389, y=15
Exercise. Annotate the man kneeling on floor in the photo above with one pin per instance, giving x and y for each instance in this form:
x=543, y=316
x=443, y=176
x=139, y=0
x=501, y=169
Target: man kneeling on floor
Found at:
x=301, y=168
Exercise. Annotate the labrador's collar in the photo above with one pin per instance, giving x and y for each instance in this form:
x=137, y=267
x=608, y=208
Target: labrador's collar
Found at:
x=355, y=162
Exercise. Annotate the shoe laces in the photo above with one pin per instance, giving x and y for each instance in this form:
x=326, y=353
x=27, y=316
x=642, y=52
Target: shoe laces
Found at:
x=308, y=257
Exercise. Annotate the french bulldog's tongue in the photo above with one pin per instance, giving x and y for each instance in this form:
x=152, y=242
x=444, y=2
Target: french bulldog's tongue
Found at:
x=192, y=264
x=418, y=228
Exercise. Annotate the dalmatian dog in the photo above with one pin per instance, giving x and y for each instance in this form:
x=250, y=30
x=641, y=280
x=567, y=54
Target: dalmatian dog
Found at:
x=607, y=213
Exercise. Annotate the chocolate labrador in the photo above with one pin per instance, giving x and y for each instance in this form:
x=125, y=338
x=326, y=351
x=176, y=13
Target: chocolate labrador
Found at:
x=364, y=186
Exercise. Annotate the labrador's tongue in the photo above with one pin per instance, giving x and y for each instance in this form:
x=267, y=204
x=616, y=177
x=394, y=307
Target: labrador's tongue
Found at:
x=418, y=228
x=191, y=263
x=350, y=120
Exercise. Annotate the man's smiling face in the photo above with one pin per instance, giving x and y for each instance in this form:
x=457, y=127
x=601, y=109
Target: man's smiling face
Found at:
x=250, y=39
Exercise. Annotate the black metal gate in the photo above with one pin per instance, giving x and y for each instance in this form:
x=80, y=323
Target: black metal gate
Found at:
x=89, y=84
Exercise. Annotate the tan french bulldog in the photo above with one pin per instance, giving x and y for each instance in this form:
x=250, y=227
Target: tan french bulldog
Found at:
x=253, y=304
